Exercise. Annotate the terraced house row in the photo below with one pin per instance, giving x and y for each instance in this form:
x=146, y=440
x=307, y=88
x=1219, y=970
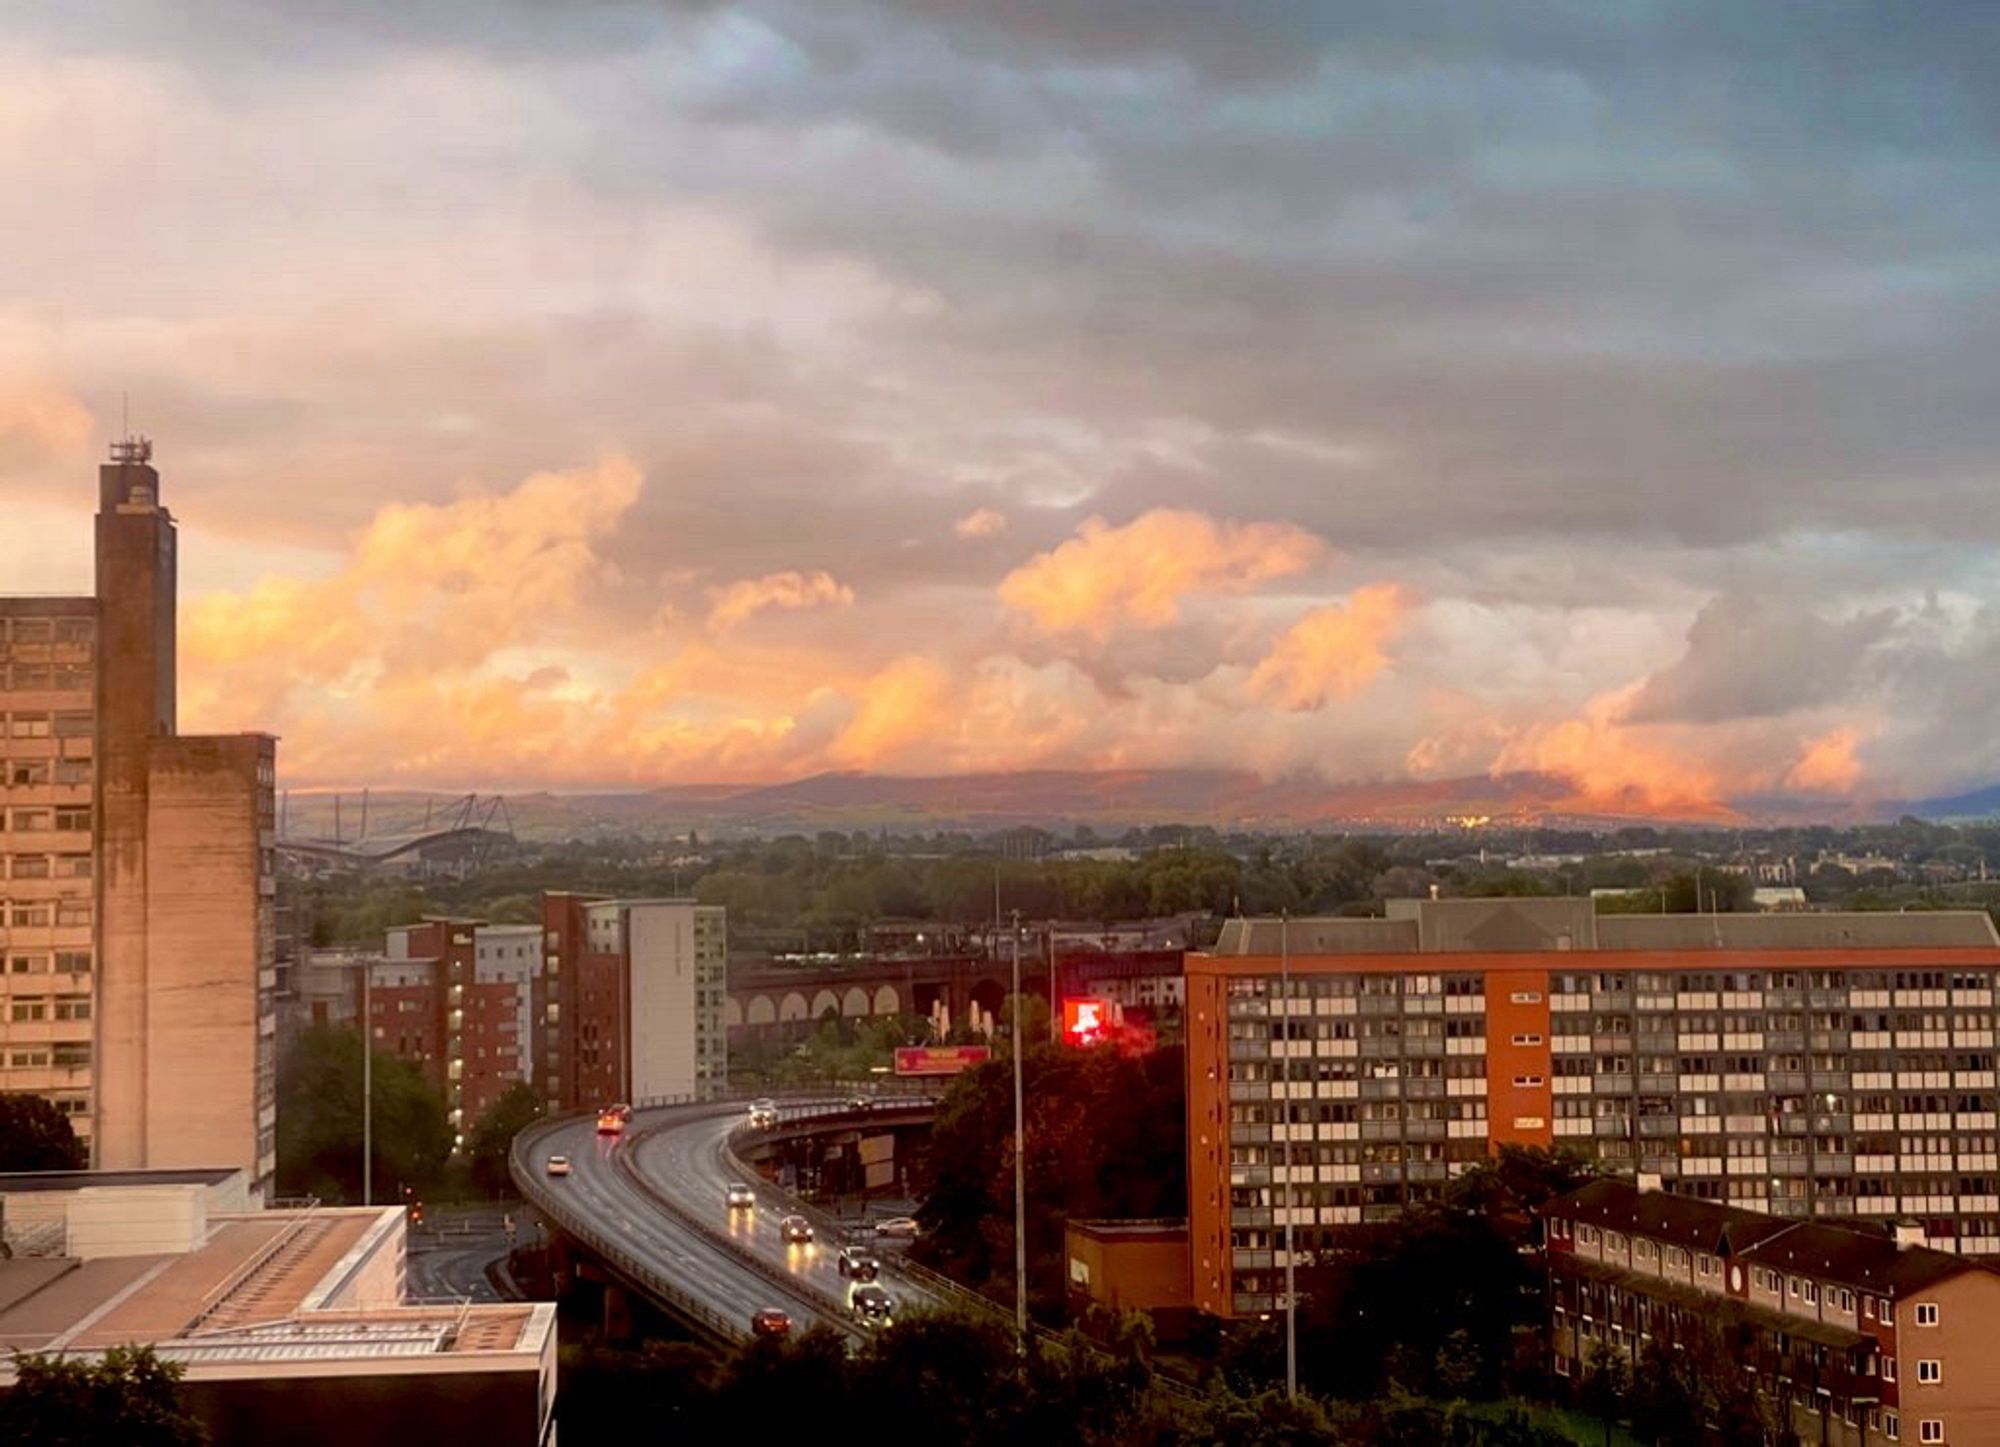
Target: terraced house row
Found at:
x=1856, y=1335
x=1805, y=1065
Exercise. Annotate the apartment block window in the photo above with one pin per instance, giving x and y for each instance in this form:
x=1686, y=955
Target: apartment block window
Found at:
x=1930, y=1371
x=73, y=725
x=1812, y=1293
x=30, y=866
x=1930, y=1429
x=27, y=1010
x=73, y=911
x=72, y=1057
x=1891, y=1427
x=29, y=915
x=28, y=726
x=1888, y=1369
x=73, y=1009
x=72, y=819
x=26, y=772
x=1927, y=1313
x=1527, y=1039
x=28, y=1059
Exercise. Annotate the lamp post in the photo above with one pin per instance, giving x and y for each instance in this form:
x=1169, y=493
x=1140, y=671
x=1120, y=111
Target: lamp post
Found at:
x=367, y=1087
x=1285, y=1072
x=1020, y=1163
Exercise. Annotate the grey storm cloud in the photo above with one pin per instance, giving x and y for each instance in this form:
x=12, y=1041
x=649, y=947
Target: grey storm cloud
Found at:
x=1680, y=300
x=1750, y=658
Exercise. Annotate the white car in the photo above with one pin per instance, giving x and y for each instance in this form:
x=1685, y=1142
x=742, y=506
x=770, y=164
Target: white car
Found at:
x=558, y=1165
x=741, y=1197
x=763, y=1113
x=902, y=1226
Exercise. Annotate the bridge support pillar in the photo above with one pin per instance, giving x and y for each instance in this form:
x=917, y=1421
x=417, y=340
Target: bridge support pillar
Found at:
x=617, y=1313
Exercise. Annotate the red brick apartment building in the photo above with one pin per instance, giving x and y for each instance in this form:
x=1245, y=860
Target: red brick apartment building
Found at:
x=605, y=1000
x=1862, y=1336
x=1829, y=1065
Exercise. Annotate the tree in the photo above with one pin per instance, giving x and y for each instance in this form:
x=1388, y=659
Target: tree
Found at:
x=319, y=1119
x=1607, y=1384
x=494, y=1136
x=35, y=1136
x=130, y=1397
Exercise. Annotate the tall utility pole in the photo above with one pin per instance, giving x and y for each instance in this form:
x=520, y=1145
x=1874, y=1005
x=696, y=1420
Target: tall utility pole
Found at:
x=1285, y=1115
x=367, y=1088
x=1020, y=1162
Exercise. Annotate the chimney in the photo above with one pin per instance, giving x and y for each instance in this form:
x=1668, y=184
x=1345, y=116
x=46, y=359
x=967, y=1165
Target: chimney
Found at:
x=1908, y=1234
x=1650, y=1181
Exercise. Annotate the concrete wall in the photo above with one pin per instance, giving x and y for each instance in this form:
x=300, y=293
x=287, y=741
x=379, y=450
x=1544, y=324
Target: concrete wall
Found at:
x=135, y=703
x=372, y=1273
x=206, y=1001
x=660, y=935
x=136, y=1221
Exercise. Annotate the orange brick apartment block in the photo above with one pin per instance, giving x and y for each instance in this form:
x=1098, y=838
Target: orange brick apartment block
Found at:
x=1833, y=1065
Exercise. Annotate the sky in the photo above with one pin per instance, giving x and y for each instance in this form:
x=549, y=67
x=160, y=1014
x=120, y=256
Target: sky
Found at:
x=625, y=392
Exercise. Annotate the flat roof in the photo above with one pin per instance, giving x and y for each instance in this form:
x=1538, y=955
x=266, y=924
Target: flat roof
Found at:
x=1547, y=926
x=246, y=1299
x=12, y=1182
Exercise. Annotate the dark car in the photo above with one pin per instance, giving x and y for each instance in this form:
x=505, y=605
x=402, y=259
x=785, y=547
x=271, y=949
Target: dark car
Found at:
x=858, y=1262
x=796, y=1230
x=871, y=1306
x=771, y=1322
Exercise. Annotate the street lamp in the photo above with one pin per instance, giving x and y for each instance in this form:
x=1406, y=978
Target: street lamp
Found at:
x=1020, y=1163
x=367, y=1087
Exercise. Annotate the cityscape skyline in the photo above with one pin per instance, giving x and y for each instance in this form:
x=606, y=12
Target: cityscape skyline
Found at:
x=568, y=421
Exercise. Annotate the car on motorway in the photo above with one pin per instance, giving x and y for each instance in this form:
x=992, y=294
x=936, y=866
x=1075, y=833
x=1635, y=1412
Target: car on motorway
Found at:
x=870, y=1305
x=771, y=1322
x=858, y=1102
x=796, y=1230
x=558, y=1165
x=740, y=1196
x=903, y=1227
x=858, y=1262
x=763, y=1113
x=613, y=1119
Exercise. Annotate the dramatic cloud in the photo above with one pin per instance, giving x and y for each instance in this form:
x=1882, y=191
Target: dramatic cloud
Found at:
x=790, y=591
x=1758, y=658
x=981, y=523
x=1139, y=574
x=1004, y=379
x=1330, y=652
x=1827, y=764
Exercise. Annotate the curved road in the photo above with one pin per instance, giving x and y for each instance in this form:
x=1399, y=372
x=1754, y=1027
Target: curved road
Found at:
x=651, y=1202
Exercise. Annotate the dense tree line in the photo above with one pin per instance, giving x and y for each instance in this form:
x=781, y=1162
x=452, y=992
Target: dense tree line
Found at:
x=828, y=887
x=128, y=1397
x=959, y=1380
x=1106, y=1138
x=320, y=1125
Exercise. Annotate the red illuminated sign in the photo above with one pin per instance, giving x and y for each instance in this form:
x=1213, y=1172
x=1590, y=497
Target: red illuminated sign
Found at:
x=1086, y=1021
x=940, y=1059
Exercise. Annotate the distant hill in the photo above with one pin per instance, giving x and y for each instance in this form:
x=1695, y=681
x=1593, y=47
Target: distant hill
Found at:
x=1055, y=799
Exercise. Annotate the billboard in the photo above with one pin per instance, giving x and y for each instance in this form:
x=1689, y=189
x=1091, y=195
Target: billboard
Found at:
x=940, y=1059
x=1085, y=1020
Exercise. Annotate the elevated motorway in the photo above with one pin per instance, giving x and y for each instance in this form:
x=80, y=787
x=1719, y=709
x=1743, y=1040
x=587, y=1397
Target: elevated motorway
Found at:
x=649, y=1207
